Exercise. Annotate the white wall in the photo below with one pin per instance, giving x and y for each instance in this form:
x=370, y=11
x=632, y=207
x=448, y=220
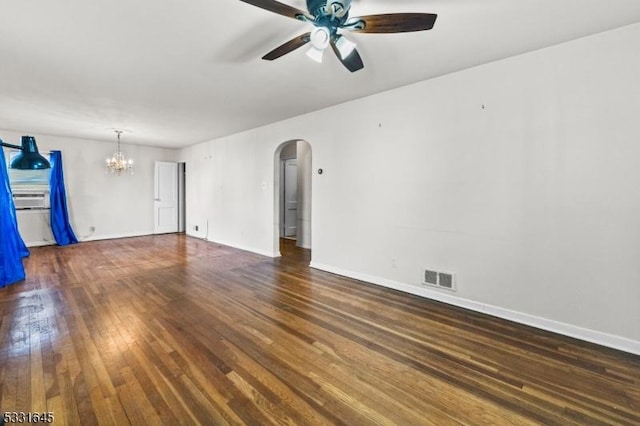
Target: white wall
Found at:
x=115, y=206
x=521, y=176
x=230, y=192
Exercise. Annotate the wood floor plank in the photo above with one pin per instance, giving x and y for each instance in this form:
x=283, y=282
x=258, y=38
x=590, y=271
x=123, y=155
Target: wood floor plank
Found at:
x=169, y=329
x=65, y=409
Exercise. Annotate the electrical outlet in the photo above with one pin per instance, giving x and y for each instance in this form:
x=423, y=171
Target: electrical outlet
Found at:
x=92, y=229
x=195, y=228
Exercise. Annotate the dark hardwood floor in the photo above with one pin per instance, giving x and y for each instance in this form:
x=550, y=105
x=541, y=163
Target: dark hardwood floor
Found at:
x=174, y=330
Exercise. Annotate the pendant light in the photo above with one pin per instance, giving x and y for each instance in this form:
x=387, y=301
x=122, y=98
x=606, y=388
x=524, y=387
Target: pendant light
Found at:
x=29, y=158
x=118, y=163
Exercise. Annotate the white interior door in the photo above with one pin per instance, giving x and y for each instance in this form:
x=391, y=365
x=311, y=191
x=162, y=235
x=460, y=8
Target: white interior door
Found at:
x=165, y=204
x=290, y=197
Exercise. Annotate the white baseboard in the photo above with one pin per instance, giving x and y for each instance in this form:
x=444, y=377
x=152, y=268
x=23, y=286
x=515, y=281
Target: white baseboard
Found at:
x=113, y=236
x=246, y=248
x=82, y=238
x=39, y=243
x=196, y=234
x=593, y=336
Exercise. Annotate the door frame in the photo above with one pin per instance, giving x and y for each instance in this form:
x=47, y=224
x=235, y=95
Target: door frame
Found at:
x=278, y=197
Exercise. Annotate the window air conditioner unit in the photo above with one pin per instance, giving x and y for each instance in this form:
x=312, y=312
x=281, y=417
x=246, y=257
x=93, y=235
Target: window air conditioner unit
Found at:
x=31, y=200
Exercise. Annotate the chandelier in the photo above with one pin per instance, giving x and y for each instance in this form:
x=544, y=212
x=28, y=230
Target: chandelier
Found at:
x=118, y=164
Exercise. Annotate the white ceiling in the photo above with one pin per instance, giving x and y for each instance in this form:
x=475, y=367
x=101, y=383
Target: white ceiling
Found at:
x=174, y=73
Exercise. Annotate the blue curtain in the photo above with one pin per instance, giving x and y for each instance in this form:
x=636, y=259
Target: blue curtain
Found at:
x=12, y=247
x=60, y=225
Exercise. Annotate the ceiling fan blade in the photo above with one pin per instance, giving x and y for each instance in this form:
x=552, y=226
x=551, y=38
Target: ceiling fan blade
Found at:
x=395, y=22
x=353, y=62
x=287, y=47
x=279, y=8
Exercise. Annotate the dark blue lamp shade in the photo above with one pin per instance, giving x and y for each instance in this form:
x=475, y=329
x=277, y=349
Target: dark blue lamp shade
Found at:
x=29, y=158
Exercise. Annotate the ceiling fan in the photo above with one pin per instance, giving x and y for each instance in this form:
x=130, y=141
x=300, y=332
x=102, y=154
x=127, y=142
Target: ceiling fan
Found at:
x=330, y=18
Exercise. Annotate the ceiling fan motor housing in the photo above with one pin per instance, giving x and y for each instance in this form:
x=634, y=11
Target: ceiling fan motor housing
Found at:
x=319, y=8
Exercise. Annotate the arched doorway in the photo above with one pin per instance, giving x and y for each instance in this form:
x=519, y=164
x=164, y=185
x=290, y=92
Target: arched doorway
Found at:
x=292, y=195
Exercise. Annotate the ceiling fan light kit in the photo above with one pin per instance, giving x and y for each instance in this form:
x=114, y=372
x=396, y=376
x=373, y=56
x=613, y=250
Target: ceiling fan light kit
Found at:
x=319, y=39
x=344, y=46
x=315, y=54
x=329, y=16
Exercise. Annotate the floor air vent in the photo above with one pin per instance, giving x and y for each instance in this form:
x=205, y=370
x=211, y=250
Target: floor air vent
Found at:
x=438, y=279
